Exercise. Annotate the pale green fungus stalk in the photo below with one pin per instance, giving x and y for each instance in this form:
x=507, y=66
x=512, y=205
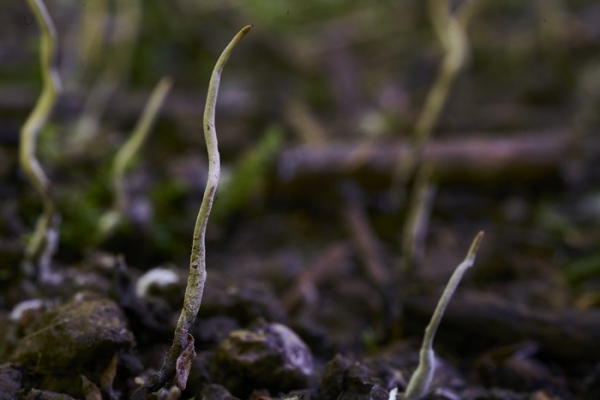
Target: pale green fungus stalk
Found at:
x=420, y=381
x=417, y=219
x=451, y=31
x=180, y=350
x=43, y=242
x=127, y=17
x=90, y=38
x=111, y=219
x=195, y=286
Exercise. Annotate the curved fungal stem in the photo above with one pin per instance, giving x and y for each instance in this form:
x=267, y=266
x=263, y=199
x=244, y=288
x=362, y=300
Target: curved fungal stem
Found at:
x=420, y=381
x=451, y=30
x=110, y=220
x=126, y=17
x=42, y=244
x=197, y=274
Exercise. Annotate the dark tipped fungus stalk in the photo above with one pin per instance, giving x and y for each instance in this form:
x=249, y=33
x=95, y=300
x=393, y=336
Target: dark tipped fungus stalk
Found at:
x=420, y=382
x=179, y=358
x=43, y=242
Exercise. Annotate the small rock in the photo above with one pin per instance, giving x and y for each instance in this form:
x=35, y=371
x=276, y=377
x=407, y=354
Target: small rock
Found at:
x=215, y=392
x=81, y=336
x=10, y=381
x=348, y=380
x=269, y=357
x=215, y=329
x=333, y=377
x=246, y=301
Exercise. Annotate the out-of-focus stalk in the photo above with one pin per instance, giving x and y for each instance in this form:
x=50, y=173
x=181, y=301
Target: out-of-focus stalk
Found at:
x=451, y=30
x=111, y=219
x=43, y=242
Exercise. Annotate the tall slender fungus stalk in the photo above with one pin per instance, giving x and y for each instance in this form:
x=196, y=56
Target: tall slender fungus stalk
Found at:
x=43, y=241
x=110, y=220
x=178, y=361
x=451, y=30
x=126, y=23
x=420, y=381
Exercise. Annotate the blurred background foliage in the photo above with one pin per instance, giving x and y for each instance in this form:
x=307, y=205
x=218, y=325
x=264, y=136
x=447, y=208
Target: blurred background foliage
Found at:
x=310, y=73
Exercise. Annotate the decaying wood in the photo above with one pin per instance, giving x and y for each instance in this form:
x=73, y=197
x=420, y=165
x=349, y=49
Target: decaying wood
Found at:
x=127, y=104
x=521, y=156
x=475, y=321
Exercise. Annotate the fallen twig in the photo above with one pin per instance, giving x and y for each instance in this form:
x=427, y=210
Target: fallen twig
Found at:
x=481, y=320
x=520, y=157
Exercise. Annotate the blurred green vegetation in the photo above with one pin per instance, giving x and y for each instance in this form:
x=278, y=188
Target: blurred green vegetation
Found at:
x=347, y=62
x=240, y=186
